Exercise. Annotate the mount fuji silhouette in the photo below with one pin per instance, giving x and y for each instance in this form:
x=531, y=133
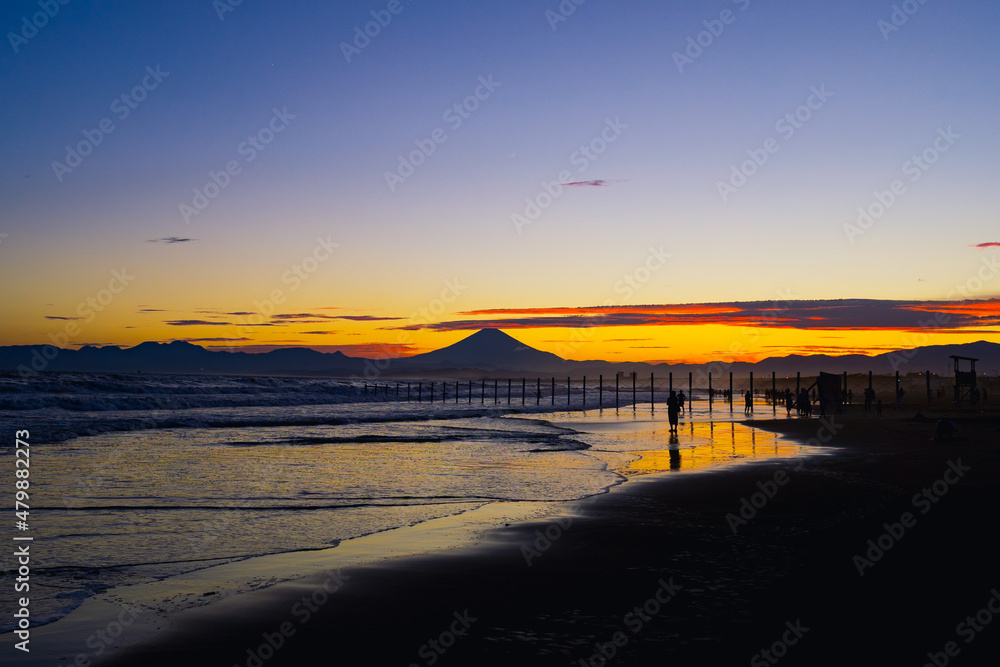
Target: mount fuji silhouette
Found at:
x=488, y=350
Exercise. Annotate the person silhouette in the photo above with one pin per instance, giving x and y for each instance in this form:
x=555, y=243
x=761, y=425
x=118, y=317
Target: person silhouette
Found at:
x=748, y=399
x=673, y=408
x=680, y=401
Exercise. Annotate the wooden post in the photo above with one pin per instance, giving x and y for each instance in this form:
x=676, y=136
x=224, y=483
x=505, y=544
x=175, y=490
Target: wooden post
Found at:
x=470, y=392
x=774, y=391
x=444, y=391
x=652, y=390
x=928, y=388
x=496, y=391
x=420, y=392
x=670, y=383
x=869, y=379
x=553, y=390
x=568, y=394
x=895, y=393
x=482, y=393
x=751, y=384
x=456, y=392
x=730, y=391
x=616, y=390
x=634, y=374
x=524, y=389
x=509, y=381
x=798, y=384
x=538, y=392
x=690, y=391
x=584, y=391
x=600, y=392
x=843, y=392
x=432, y=391
x=407, y=392
x=711, y=398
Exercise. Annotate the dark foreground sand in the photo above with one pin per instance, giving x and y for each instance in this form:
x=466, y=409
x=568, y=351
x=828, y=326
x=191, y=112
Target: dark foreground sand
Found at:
x=787, y=581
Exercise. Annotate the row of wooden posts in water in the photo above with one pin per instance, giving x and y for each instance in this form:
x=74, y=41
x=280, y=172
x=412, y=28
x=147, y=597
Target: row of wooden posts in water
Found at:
x=418, y=390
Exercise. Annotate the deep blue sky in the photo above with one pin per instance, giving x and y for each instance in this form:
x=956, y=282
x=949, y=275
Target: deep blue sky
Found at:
x=325, y=174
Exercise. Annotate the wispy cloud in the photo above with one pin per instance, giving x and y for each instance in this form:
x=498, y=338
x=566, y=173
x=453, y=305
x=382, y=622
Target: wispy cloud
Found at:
x=303, y=316
x=597, y=183
x=317, y=318
x=171, y=240
x=65, y=319
x=844, y=314
x=206, y=340
x=196, y=323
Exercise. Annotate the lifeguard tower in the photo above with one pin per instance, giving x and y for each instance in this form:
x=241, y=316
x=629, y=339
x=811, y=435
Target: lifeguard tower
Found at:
x=965, y=381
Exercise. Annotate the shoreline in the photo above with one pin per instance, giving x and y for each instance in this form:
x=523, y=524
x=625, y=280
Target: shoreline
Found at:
x=618, y=549
x=159, y=601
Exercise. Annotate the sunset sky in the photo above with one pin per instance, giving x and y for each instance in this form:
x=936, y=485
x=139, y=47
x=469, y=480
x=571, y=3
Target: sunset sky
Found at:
x=634, y=180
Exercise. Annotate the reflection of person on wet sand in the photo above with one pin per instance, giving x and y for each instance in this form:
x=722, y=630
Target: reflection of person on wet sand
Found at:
x=672, y=411
x=675, y=455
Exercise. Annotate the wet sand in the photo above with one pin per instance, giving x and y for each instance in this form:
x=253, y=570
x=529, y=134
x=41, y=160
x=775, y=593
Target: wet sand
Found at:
x=652, y=572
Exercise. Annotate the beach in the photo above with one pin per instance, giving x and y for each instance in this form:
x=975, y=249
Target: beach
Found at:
x=670, y=568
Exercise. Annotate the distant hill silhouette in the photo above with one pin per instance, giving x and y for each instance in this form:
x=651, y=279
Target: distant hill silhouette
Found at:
x=176, y=357
x=489, y=352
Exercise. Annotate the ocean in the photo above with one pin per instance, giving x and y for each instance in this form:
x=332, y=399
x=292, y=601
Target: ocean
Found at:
x=138, y=479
